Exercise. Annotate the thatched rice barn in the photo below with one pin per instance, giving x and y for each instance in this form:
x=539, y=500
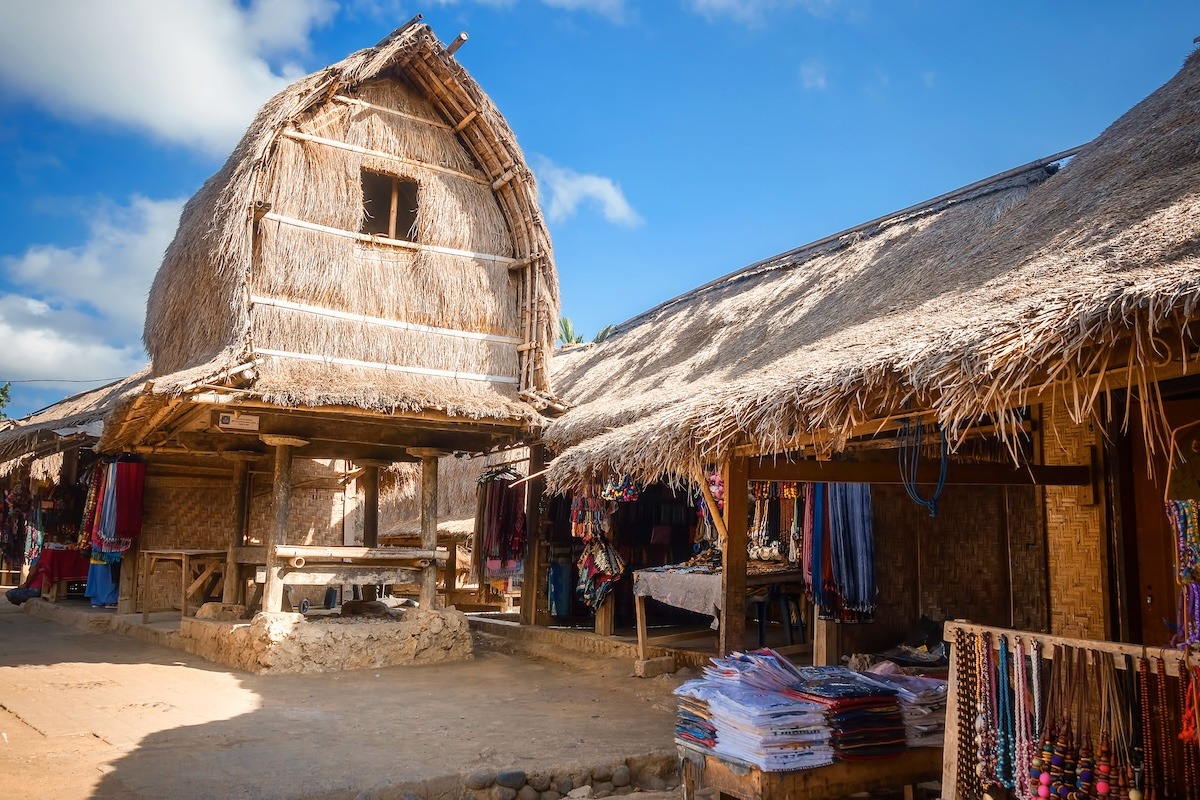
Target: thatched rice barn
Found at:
x=367, y=281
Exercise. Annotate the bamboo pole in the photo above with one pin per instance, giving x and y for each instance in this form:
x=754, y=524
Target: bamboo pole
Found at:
x=273, y=586
x=429, y=499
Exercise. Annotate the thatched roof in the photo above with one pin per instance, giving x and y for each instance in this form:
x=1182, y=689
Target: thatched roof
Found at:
x=268, y=271
x=967, y=306
x=78, y=419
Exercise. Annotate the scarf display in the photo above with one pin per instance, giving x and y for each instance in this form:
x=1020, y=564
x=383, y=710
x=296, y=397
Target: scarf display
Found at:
x=504, y=534
x=600, y=565
x=115, y=518
x=837, y=544
x=1183, y=517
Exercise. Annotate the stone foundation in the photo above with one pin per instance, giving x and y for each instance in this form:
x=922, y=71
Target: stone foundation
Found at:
x=279, y=643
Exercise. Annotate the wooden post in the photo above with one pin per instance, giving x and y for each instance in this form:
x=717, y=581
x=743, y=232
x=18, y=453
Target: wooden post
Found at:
x=733, y=558
x=604, y=616
x=429, y=522
x=273, y=587
x=533, y=582
x=825, y=641
x=233, y=582
x=370, y=479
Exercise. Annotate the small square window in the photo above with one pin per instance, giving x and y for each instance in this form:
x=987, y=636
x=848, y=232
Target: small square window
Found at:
x=389, y=206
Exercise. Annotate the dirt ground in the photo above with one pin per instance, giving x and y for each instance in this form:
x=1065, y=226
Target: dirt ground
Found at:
x=87, y=715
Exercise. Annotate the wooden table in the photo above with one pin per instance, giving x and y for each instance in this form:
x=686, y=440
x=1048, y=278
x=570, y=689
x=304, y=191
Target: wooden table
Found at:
x=201, y=573
x=840, y=779
x=704, y=597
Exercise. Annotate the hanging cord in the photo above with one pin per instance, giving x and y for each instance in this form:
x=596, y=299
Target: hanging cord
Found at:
x=910, y=457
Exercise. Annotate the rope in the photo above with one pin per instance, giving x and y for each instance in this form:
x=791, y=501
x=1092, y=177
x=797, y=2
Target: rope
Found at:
x=910, y=456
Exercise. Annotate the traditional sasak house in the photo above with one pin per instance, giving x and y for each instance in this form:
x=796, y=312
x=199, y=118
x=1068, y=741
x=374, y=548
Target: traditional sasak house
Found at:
x=368, y=280
x=1040, y=323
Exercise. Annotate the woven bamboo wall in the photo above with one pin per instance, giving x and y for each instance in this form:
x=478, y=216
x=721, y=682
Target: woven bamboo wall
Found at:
x=954, y=565
x=1075, y=534
x=1027, y=553
x=182, y=512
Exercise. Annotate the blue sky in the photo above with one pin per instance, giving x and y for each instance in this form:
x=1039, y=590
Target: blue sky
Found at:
x=674, y=140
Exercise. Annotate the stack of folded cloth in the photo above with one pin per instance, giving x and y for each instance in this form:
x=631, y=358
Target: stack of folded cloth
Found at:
x=922, y=706
x=738, y=710
x=863, y=715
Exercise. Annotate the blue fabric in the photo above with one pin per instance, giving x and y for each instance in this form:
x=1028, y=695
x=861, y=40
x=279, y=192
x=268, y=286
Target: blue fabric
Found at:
x=818, y=546
x=18, y=595
x=102, y=588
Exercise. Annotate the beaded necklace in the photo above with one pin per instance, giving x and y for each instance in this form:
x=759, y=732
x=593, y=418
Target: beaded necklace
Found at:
x=1187, y=734
x=985, y=722
x=1166, y=749
x=965, y=651
x=1024, y=747
x=1004, y=720
x=1147, y=783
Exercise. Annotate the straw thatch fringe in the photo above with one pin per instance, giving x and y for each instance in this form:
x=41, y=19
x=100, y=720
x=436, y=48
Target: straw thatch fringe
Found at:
x=199, y=319
x=960, y=311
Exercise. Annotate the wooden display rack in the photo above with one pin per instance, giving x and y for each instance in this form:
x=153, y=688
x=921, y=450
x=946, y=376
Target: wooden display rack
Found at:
x=840, y=779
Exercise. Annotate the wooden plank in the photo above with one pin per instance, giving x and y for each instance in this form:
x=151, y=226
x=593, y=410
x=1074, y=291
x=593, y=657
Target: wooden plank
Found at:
x=733, y=555
x=950, y=737
x=840, y=779
x=888, y=472
x=360, y=576
x=361, y=553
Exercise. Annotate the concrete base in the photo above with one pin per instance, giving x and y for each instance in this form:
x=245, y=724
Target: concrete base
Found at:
x=276, y=643
x=653, y=667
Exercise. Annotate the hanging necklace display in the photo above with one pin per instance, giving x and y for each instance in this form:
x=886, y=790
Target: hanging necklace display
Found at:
x=1085, y=765
x=1147, y=783
x=966, y=649
x=1044, y=763
x=1023, y=751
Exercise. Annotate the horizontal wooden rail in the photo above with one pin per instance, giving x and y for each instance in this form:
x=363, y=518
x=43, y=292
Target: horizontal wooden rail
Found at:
x=927, y=473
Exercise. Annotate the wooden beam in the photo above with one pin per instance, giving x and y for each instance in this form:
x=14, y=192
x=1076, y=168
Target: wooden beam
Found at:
x=733, y=558
x=957, y=474
x=331, y=574
x=313, y=552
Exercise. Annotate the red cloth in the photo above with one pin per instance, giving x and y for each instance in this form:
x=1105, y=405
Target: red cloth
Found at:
x=131, y=478
x=63, y=565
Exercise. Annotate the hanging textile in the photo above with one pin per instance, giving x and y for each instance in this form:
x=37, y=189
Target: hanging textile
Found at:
x=117, y=520
x=599, y=565
x=837, y=541
x=503, y=529
x=622, y=489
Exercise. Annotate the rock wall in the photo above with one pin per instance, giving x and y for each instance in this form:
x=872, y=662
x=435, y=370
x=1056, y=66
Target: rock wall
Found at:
x=281, y=643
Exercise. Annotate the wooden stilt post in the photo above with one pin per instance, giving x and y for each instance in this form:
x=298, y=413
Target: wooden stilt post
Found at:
x=733, y=557
x=429, y=522
x=282, y=489
x=233, y=583
x=370, y=479
x=533, y=582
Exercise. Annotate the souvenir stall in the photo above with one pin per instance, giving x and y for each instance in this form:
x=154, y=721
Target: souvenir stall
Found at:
x=75, y=529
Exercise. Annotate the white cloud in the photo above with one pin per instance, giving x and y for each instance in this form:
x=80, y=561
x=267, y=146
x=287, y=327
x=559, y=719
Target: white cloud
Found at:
x=568, y=189
x=752, y=12
x=191, y=73
x=813, y=75
x=77, y=312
